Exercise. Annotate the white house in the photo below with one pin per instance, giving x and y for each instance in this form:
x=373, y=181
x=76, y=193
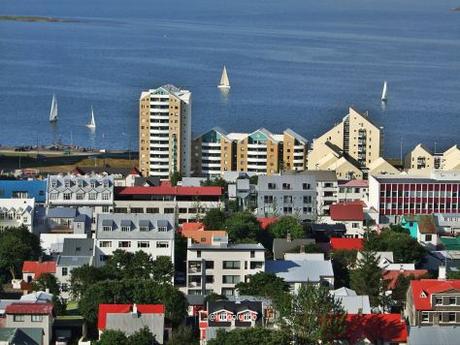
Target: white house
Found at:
x=17, y=212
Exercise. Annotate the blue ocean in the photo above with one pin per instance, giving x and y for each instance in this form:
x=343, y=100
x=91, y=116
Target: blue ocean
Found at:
x=292, y=64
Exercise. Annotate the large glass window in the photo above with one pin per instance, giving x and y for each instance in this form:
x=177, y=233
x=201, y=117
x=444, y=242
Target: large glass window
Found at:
x=231, y=265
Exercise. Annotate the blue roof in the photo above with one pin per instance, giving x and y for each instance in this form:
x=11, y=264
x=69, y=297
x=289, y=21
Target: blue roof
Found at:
x=34, y=188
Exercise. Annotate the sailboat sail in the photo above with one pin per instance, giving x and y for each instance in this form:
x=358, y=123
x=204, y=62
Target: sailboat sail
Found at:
x=224, y=82
x=92, y=123
x=54, y=110
x=385, y=92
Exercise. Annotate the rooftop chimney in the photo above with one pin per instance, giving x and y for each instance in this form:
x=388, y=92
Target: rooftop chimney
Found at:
x=135, y=313
x=442, y=274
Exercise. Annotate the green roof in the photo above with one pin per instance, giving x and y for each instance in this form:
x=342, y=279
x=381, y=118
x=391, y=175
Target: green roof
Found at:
x=451, y=243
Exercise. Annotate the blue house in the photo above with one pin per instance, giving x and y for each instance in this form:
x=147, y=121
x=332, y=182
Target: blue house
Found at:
x=26, y=189
x=422, y=228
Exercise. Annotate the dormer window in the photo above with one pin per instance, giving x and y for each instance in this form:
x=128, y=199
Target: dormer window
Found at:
x=53, y=183
x=81, y=183
x=144, y=228
x=126, y=228
x=67, y=183
x=162, y=229
x=423, y=294
x=93, y=183
x=106, y=183
x=106, y=228
x=92, y=196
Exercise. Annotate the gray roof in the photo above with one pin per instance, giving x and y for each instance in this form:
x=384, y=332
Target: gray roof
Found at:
x=321, y=175
x=22, y=336
x=429, y=335
x=80, y=183
x=296, y=135
x=81, y=218
x=282, y=246
x=227, y=247
x=78, y=247
x=73, y=261
x=352, y=303
x=129, y=324
x=116, y=220
x=293, y=271
x=62, y=212
x=195, y=299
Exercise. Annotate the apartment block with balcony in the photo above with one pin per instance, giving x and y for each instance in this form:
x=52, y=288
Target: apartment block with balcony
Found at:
x=422, y=160
x=185, y=203
x=287, y=194
x=219, y=266
x=357, y=136
x=431, y=302
x=394, y=196
x=213, y=153
x=165, y=131
x=150, y=233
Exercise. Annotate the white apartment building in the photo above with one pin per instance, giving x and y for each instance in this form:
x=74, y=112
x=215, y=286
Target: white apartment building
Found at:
x=185, y=203
x=17, y=212
x=218, y=267
x=150, y=233
x=165, y=131
x=95, y=191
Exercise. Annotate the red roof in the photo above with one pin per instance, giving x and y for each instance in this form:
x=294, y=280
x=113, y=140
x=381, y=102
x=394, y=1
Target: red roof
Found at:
x=347, y=211
x=167, y=189
x=105, y=309
x=391, y=276
x=193, y=226
x=38, y=268
x=30, y=308
x=355, y=183
x=375, y=328
x=423, y=289
x=338, y=243
x=265, y=222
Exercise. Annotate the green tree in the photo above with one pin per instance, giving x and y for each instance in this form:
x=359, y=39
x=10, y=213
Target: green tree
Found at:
x=315, y=316
x=142, y=337
x=405, y=248
x=111, y=337
x=46, y=281
x=175, y=178
x=285, y=225
x=242, y=227
x=183, y=335
x=251, y=336
x=342, y=261
x=180, y=252
x=83, y=277
x=163, y=270
x=217, y=182
x=214, y=219
x=366, y=278
x=398, y=294
x=59, y=304
x=453, y=274
x=264, y=285
x=16, y=246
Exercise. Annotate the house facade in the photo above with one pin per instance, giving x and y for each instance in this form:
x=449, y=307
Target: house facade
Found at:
x=150, y=233
x=17, y=212
x=220, y=266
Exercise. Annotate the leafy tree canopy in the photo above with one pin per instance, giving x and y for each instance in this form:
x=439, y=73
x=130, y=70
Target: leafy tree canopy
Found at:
x=111, y=337
x=142, y=337
x=264, y=285
x=214, y=219
x=342, y=261
x=242, y=227
x=183, y=335
x=46, y=281
x=405, y=248
x=285, y=225
x=16, y=246
x=251, y=336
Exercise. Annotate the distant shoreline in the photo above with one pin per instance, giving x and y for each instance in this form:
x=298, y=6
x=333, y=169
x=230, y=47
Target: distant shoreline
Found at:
x=36, y=19
x=455, y=9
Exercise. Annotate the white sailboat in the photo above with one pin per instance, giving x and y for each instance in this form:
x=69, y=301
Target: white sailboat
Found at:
x=385, y=92
x=54, y=110
x=92, y=123
x=224, y=82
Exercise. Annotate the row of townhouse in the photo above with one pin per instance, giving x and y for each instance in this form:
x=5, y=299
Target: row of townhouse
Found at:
x=259, y=152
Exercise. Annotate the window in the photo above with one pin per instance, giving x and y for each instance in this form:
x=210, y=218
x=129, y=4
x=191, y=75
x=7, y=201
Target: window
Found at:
x=253, y=254
x=92, y=196
x=286, y=186
x=198, y=253
x=93, y=184
x=451, y=317
x=272, y=186
x=268, y=199
x=106, y=228
x=80, y=196
x=307, y=199
x=67, y=183
x=105, y=209
x=425, y=317
x=103, y=258
x=168, y=210
x=105, y=244
x=287, y=209
x=428, y=237
x=162, y=244
x=231, y=265
x=64, y=271
x=124, y=244
x=227, y=292
x=126, y=228
x=143, y=244
x=152, y=210
x=306, y=186
x=452, y=301
x=19, y=318
x=438, y=301
x=287, y=199
x=230, y=279
x=144, y=228
x=355, y=225
x=105, y=196
x=53, y=183
x=54, y=196
x=81, y=183
x=209, y=265
x=209, y=279
x=64, y=287
x=256, y=265
x=137, y=210
x=67, y=196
